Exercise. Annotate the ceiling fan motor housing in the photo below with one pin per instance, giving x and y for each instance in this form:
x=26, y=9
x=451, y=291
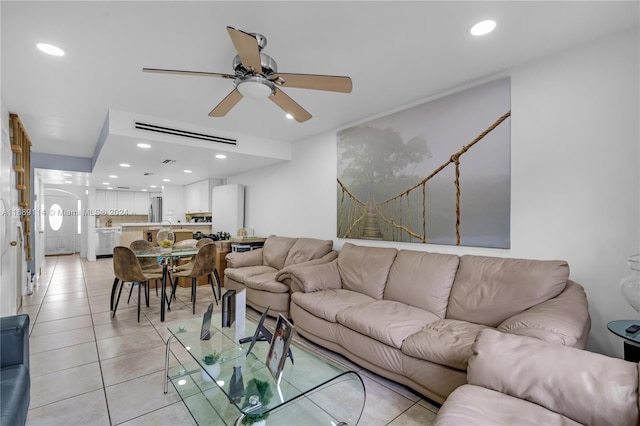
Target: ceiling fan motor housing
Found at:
x=268, y=64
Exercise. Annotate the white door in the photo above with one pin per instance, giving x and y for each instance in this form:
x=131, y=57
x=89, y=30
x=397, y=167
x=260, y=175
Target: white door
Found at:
x=61, y=224
x=10, y=288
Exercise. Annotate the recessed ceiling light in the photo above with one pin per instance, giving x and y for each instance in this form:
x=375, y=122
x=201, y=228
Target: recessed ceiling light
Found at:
x=106, y=183
x=221, y=156
x=144, y=189
x=125, y=165
x=166, y=180
x=50, y=49
x=483, y=27
x=67, y=181
x=144, y=145
x=113, y=176
x=109, y=187
x=188, y=171
x=67, y=174
x=289, y=116
x=153, y=186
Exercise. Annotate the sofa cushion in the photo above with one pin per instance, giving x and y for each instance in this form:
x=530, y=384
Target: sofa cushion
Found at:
x=275, y=251
x=471, y=405
x=445, y=342
x=266, y=282
x=305, y=249
x=488, y=290
x=386, y=321
x=422, y=280
x=589, y=388
x=365, y=269
x=242, y=274
x=327, y=304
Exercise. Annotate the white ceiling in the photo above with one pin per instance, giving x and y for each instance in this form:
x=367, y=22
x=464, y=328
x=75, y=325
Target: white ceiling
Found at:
x=395, y=52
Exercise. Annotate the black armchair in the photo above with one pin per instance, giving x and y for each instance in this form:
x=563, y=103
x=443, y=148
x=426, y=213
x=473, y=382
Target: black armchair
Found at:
x=15, y=381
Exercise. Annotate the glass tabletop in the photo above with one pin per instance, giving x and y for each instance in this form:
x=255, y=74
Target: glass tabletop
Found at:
x=241, y=384
x=170, y=252
x=620, y=327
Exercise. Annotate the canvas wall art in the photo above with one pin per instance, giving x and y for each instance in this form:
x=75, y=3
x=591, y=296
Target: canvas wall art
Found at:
x=438, y=172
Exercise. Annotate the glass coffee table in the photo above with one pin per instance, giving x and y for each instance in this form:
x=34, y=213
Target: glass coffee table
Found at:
x=313, y=390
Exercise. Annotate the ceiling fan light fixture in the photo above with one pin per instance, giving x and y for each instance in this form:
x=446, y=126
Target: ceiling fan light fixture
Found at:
x=256, y=87
x=289, y=116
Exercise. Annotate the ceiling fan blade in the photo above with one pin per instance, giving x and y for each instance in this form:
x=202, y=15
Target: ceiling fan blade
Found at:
x=227, y=103
x=331, y=83
x=247, y=47
x=200, y=73
x=289, y=105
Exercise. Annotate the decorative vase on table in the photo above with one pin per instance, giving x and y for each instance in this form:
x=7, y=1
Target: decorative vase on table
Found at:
x=165, y=236
x=630, y=285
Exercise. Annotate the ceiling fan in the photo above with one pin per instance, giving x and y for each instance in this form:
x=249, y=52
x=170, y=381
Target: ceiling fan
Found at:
x=256, y=76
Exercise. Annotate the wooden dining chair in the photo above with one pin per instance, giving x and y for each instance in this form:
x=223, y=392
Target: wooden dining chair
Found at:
x=127, y=269
x=204, y=265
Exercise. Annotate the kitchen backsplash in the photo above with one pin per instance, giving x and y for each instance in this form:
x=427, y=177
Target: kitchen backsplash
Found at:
x=103, y=221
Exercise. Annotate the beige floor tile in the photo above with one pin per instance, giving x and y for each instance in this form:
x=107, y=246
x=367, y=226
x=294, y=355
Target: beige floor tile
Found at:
x=64, y=304
x=127, y=367
x=137, y=341
x=48, y=342
x=174, y=414
x=100, y=303
x=64, y=289
x=99, y=291
x=63, y=358
x=57, y=326
x=64, y=384
x=122, y=314
x=415, y=416
x=120, y=328
x=64, y=296
x=382, y=406
x=138, y=397
x=87, y=409
x=429, y=405
x=396, y=387
x=56, y=313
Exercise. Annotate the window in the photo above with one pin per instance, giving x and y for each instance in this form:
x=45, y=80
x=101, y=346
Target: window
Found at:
x=55, y=217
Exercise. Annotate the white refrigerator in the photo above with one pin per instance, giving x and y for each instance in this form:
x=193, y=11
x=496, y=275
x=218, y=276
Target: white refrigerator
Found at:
x=227, y=208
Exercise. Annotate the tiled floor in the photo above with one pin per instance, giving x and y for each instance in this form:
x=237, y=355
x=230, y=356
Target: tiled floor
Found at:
x=90, y=369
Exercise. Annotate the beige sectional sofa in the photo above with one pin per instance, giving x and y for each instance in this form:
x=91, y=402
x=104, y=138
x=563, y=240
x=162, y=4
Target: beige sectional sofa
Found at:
x=517, y=380
x=413, y=316
x=259, y=270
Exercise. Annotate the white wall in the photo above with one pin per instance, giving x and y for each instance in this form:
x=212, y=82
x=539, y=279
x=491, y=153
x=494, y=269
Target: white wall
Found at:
x=575, y=181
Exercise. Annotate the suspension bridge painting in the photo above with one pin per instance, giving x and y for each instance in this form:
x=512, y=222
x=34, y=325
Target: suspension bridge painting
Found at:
x=438, y=172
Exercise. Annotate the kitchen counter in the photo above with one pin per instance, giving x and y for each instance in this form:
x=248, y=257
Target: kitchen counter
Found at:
x=159, y=225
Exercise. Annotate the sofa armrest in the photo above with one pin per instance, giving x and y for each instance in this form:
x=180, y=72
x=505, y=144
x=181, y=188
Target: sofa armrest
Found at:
x=245, y=258
x=308, y=277
x=587, y=387
x=563, y=319
x=14, y=340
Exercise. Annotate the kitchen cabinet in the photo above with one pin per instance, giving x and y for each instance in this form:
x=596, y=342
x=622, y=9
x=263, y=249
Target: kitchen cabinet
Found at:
x=111, y=200
x=196, y=197
x=125, y=202
x=101, y=200
x=141, y=202
x=129, y=202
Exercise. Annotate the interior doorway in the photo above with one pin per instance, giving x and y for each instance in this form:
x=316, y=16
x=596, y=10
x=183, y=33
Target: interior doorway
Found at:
x=60, y=224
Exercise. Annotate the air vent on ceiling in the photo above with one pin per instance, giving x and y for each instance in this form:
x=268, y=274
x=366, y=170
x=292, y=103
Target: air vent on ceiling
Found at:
x=168, y=161
x=124, y=187
x=148, y=174
x=184, y=133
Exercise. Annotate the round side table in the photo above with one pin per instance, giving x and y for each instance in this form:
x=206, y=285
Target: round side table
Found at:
x=631, y=340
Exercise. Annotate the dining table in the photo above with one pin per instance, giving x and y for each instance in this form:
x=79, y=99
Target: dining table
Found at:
x=165, y=257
